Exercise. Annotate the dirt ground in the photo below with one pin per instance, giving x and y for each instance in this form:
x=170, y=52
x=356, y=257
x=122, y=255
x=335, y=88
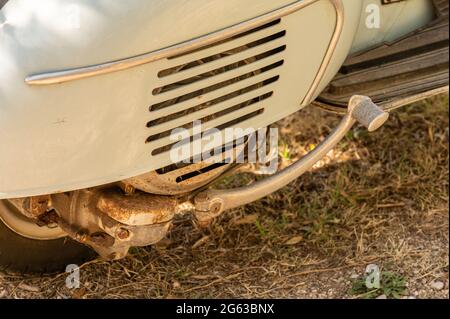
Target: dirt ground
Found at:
x=379, y=198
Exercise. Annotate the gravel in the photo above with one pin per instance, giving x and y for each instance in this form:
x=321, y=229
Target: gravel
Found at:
x=437, y=285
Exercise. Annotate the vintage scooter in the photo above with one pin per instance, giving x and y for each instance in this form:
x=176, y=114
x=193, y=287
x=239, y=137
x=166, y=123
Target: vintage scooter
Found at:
x=93, y=91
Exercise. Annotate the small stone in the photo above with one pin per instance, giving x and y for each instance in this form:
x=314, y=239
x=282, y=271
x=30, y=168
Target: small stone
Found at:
x=354, y=276
x=437, y=285
x=176, y=285
x=382, y=297
x=3, y=293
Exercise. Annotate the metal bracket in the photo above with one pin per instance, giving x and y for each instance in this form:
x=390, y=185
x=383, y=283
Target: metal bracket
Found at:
x=211, y=203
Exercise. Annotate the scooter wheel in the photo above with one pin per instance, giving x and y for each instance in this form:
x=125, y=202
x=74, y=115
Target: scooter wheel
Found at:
x=35, y=254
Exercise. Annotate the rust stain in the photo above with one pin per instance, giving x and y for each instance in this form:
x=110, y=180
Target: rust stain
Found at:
x=137, y=209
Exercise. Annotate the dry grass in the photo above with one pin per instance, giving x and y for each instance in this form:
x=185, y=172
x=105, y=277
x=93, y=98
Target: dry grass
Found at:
x=379, y=198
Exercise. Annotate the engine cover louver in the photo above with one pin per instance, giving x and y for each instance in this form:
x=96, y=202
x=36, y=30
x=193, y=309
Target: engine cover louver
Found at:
x=245, y=81
x=221, y=85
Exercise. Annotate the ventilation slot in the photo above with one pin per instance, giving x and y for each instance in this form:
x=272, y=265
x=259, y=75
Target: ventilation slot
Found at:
x=240, y=35
x=223, y=156
x=212, y=88
x=212, y=58
x=207, y=133
x=214, y=116
x=205, y=170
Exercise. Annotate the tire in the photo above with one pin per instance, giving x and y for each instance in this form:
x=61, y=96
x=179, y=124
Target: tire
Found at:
x=2, y=3
x=25, y=255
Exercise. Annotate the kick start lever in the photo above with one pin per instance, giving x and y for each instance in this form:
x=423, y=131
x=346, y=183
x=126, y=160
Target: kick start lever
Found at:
x=211, y=203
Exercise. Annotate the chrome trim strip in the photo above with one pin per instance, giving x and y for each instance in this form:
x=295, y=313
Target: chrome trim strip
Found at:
x=388, y=106
x=120, y=65
x=339, y=7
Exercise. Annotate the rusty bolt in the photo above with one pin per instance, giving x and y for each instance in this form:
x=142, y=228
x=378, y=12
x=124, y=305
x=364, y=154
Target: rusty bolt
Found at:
x=81, y=237
x=123, y=234
x=48, y=218
x=215, y=208
x=37, y=205
x=128, y=189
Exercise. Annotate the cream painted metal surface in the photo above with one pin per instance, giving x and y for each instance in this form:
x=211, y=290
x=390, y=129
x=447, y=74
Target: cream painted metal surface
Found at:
x=396, y=20
x=93, y=131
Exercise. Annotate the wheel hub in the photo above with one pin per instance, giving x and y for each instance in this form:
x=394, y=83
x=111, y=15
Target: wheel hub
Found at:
x=27, y=227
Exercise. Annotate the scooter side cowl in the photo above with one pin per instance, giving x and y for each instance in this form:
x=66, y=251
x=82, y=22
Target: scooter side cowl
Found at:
x=93, y=131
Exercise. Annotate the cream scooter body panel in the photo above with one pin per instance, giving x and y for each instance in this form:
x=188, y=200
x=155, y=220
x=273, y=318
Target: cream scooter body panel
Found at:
x=396, y=20
x=92, y=131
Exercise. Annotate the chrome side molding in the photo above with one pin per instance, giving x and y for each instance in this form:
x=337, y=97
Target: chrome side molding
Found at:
x=62, y=76
x=390, y=105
